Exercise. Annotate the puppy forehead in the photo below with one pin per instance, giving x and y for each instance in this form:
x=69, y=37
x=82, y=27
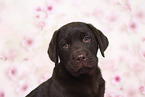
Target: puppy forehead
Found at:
x=73, y=30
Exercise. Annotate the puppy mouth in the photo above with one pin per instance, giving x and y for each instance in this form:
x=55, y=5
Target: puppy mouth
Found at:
x=79, y=68
x=83, y=66
x=83, y=69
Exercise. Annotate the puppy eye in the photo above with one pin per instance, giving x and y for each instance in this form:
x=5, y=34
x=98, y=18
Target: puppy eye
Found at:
x=86, y=39
x=65, y=45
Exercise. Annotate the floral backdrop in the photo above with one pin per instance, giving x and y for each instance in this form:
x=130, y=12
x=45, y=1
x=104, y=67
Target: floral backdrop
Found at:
x=26, y=27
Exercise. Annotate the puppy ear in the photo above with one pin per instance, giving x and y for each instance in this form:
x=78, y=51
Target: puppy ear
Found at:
x=52, y=50
x=101, y=39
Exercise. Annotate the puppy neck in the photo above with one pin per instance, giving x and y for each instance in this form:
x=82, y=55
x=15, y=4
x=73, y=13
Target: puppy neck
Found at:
x=61, y=73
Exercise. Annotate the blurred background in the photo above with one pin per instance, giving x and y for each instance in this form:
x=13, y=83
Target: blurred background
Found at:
x=26, y=27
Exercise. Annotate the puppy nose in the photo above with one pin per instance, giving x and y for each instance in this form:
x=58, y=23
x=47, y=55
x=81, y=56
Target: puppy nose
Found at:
x=81, y=58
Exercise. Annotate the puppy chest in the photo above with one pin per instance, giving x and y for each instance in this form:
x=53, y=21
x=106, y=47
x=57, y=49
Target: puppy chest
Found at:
x=82, y=91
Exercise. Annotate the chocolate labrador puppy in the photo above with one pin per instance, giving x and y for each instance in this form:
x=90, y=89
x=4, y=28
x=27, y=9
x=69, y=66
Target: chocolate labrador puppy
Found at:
x=73, y=48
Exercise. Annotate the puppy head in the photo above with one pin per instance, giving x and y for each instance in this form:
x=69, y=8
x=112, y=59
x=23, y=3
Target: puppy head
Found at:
x=76, y=44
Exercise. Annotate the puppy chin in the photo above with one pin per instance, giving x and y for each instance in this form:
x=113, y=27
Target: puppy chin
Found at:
x=82, y=71
x=78, y=69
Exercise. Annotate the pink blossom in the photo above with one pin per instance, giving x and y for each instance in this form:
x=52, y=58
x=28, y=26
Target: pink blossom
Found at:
x=113, y=18
x=131, y=92
x=127, y=6
x=49, y=8
x=29, y=43
x=42, y=24
x=26, y=59
x=41, y=16
x=2, y=94
x=143, y=39
x=37, y=16
x=38, y=9
x=2, y=58
x=10, y=54
x=13, y=73
x=140, y=15
x=133, y=25
x=142, y=89
x=137, y=67
x=121, y=88
x=142, y=54
x=116, y=79
x=23, y=87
